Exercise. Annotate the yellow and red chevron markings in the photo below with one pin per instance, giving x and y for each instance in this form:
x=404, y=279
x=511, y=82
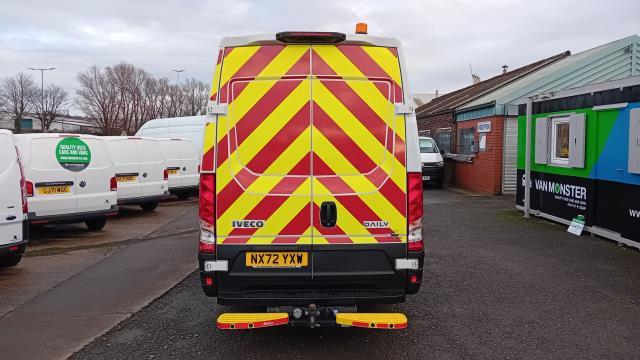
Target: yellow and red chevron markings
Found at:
x=296, y=110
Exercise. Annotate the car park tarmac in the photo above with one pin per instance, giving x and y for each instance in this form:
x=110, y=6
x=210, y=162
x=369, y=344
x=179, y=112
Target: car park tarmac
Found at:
x=496, y=286
x=56, y=253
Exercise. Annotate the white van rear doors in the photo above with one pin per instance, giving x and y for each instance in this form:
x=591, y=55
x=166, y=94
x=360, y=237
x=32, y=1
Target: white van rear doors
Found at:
x=171, y=149
x=152, y=168
x=10, y=193
x=189, y=162
x=54, y=186
x=125, y=159
x=94, y=189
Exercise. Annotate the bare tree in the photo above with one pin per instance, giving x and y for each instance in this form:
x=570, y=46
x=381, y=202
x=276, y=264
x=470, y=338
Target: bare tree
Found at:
x=49, y=108
x=18, y=95
x=123, y=97
x=98, y=98
x=196, y=95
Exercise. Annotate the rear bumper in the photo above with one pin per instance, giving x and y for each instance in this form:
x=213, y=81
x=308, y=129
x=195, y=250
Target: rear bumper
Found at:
x=143, y=199
x=340, y=275
x=72, y=218
x=17, y=248
x=13, y=249
x=184, y=189
x=435, y=174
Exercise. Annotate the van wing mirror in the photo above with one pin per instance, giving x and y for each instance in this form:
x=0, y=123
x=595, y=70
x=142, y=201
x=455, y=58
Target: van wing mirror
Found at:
x=441, y=152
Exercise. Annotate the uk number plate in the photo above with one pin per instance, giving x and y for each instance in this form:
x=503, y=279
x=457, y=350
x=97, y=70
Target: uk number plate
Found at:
x=277, y=259
x=51, y=190
x=173, y=172
x=426, y=178
x=126, y=178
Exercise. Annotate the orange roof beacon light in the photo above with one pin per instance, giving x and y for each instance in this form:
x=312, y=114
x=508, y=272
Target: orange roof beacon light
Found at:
x=361, y=28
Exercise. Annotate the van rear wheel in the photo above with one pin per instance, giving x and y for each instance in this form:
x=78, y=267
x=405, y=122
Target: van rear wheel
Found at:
x=149, y=206
x=10, y=260
x=96, y=224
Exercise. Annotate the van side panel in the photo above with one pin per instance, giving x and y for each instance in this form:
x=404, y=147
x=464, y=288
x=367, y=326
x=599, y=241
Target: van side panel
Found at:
x=11, y=199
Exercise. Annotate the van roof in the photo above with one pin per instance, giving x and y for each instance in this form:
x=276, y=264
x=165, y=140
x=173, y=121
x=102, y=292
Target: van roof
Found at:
x=55, y=135
x=133, y=137
x=270, y=39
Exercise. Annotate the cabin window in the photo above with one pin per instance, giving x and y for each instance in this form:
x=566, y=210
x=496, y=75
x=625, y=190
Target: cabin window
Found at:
x=560, y=140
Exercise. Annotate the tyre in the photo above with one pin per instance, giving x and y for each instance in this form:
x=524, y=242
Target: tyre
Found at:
x=149, y=206
x=96, y=224
x=439, y=184
x=10, y=260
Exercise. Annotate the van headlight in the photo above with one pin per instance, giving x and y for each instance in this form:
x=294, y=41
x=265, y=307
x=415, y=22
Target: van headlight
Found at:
x=440, y=163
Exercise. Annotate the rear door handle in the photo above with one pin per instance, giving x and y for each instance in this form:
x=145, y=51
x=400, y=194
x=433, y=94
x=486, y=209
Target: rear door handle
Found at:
x=12, y=217
x=328, y=214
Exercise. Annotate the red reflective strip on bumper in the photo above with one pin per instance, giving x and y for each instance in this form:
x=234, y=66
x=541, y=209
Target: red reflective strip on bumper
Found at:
x=255, y=325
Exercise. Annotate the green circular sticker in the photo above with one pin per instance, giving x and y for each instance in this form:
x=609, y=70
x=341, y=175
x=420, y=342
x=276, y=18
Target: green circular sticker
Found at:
x=73, y=154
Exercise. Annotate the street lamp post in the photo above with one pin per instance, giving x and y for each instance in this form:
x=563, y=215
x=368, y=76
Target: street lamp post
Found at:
x=42, y=70
x=178, y=71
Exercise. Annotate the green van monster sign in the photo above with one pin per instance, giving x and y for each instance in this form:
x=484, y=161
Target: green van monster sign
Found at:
x=73, y=154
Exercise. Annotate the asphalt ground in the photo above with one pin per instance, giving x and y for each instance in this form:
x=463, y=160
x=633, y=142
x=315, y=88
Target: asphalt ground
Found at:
x=87, y=294
x=496, y=286
x=57, y=252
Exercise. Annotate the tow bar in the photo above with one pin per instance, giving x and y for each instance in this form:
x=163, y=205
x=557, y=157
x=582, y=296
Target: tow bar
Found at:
x=312, y=316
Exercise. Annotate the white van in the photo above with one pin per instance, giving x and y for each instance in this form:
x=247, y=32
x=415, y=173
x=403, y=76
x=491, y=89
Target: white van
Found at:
x=141, y=171
x=69, y=178
x=183, y=166
x=311, y=197
x=432, y=161
x=186, y=127
x=13, y=203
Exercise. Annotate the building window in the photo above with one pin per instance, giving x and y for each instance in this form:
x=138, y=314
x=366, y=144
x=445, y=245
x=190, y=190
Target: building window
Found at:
x=466, y=141
x=443, y=139
x=560, y=140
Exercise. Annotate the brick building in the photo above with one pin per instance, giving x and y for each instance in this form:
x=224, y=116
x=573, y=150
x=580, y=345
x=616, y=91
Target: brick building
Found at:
x=477, y=125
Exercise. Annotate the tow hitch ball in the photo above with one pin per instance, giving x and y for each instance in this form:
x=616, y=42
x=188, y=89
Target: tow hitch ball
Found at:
x=312, y=315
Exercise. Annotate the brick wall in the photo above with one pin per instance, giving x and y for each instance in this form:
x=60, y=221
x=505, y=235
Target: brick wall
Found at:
x=435, y=122
x=484, y=174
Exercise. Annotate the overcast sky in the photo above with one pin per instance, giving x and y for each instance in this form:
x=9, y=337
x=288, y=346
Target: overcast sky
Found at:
x=441, y=38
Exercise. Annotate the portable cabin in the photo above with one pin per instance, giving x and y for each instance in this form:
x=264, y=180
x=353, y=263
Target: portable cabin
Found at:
x=585, y=157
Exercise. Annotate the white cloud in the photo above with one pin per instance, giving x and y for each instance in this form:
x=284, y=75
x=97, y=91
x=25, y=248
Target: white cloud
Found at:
x=441, y=38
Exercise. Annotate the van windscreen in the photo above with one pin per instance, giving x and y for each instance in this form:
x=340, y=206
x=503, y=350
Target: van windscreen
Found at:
x=428, y=146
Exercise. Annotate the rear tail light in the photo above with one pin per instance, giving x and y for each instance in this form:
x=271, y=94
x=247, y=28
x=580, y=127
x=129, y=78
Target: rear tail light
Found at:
x=113, y=183
x=310, y=37
x=207, y=213
x=165, y=174
x=28, y=188
x=414, y=212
